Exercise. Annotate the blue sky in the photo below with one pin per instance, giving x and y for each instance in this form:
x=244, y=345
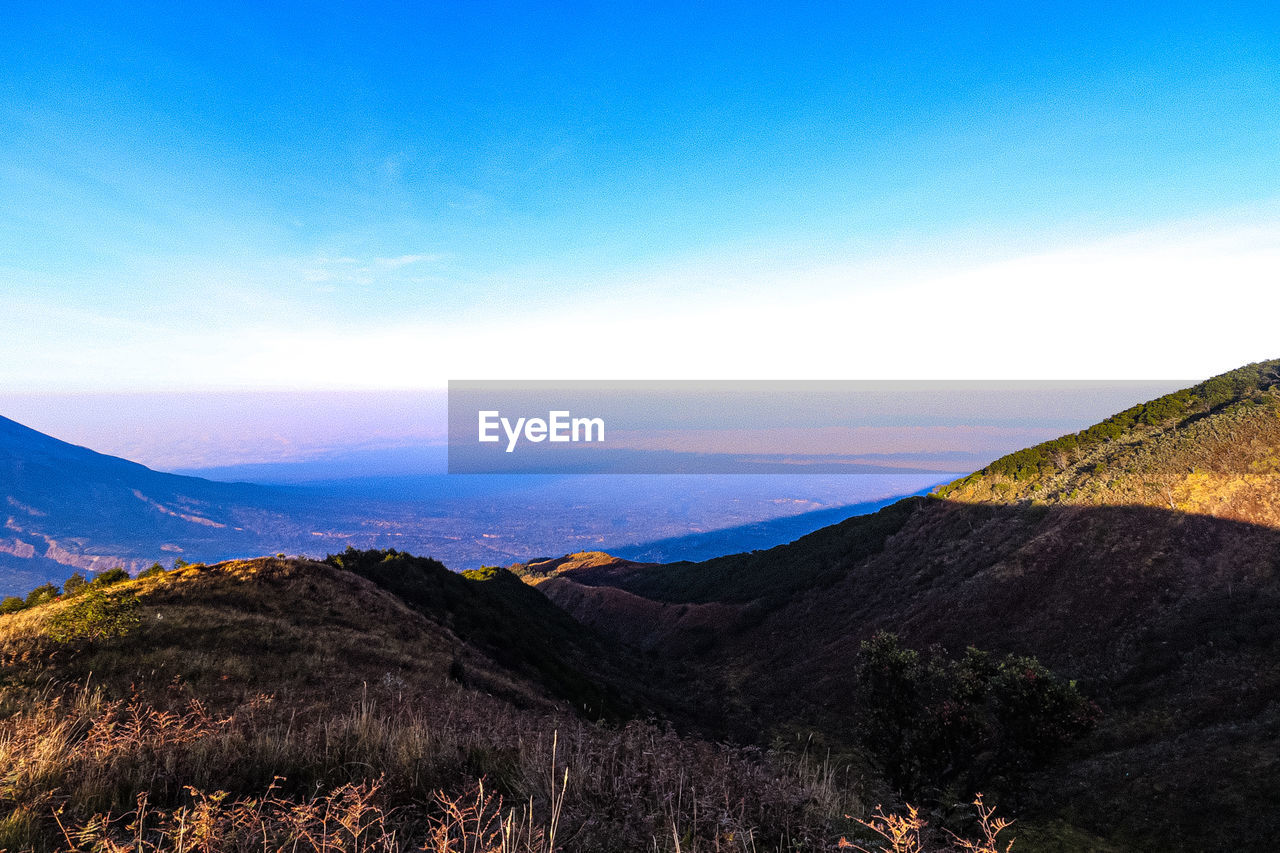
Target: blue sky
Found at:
x=364, y=196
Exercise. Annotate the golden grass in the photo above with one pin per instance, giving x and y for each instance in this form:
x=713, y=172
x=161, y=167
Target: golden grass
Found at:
x=275, y=705
x=284, y=705
x=1226, y=464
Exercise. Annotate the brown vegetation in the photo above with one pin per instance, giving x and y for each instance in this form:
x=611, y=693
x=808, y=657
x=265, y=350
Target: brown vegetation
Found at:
x=236, y=716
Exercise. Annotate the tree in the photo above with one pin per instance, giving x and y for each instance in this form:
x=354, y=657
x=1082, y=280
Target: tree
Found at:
x=151, y=571
x=41, y=594
x=74, y=584
x=891, y=705
x=12, y=604
x=110, y=577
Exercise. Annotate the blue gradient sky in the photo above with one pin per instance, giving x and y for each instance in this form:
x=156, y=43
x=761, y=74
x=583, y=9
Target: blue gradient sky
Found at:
x=365, y=196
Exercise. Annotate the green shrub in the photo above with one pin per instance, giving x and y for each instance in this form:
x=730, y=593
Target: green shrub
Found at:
x=12, y=604
x=41, y=594
x=154, y=570
x=942, y=727
x=110, y=577
x=74, y=584
x=95, y=615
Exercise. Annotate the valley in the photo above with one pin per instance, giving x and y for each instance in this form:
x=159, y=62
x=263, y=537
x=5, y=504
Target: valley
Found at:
x=1083, y=631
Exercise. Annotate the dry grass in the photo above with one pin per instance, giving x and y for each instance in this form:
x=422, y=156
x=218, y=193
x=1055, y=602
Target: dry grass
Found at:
x=909, y=833
x=86, y=773
x=1225, y=464
x=365, y=742
x=281, y=705
x=306, y=632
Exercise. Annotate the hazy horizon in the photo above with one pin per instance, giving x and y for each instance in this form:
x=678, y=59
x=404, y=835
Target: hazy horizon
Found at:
x=317, y=435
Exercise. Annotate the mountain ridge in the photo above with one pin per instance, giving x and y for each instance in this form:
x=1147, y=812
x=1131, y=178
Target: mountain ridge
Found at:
x=1146, y=564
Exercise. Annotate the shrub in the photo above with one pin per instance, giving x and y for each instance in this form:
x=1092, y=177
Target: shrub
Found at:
x=110, y=577
x=935, y=724
x=74, y=584
x=12, y=604
x=152, y=571
x=41, y=594
x=908, y=833
x=95, y=615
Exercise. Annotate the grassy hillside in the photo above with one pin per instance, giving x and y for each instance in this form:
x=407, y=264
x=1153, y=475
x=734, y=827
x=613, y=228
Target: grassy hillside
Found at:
x=1141, y=557
x=1166, y=452
x=492, y=611
x=287, y=704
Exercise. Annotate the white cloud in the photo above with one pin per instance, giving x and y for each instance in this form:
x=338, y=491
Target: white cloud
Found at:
x=406, y=260
x=357, y=271
x=1184, y=301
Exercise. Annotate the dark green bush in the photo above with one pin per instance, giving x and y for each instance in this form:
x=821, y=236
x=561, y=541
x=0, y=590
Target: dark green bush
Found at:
x=110, y=577
x=12, y=604
x=942, y=727
x=41, y=594
x=152, y=571
x=74, y=584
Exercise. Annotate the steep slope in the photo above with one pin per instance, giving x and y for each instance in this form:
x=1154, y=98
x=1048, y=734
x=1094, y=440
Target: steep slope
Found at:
x=1141, y=557
x=1209, y=449
x=593, y=586
x=491, y=610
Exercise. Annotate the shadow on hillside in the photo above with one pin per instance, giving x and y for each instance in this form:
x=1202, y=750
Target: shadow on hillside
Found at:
x=1167, y=619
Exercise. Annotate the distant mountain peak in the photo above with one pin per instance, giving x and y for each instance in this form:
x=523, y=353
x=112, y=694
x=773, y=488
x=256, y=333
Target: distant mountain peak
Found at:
x=71, y=508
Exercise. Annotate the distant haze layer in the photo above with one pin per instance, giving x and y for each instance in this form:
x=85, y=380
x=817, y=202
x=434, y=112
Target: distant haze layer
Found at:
x=264, y=436
x=169, y=431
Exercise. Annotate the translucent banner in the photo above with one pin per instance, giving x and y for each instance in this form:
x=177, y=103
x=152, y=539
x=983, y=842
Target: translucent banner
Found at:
x=764, y=427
